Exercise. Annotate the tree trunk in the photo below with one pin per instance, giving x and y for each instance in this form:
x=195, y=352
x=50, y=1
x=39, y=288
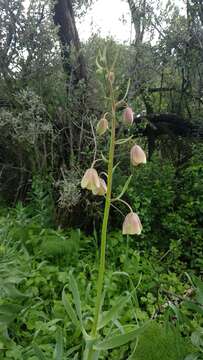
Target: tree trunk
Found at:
x=138, y=13
x=68, y=34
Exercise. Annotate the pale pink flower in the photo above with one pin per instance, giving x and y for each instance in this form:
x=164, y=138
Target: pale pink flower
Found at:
x=90, y=180
x=137, y=155
x=102, y=189
x=128, y=116
x=102, y=126
x=132, y=224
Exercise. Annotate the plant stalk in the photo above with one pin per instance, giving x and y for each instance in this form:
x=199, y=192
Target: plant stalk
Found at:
x=105, y=224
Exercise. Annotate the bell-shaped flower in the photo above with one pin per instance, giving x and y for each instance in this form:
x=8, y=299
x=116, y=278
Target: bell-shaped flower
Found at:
x=132, y=224
x=137, y=156
x=102, y=126
x=90, y=180
x=128, y=116
x=101, y=191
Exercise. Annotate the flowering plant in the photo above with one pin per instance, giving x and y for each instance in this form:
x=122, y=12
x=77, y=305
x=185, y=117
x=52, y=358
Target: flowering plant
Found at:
x=131, y=225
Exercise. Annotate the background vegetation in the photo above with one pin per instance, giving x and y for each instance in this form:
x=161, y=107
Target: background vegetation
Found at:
x=51, y=97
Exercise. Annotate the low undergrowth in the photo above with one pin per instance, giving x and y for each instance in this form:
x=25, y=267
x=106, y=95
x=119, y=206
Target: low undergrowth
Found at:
x=146, y=288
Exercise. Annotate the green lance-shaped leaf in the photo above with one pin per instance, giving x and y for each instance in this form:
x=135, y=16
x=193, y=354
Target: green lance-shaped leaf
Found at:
x=73, y=350
x=127, y=90
x=104, y=158
x=59, y=349
x=76, y=298
x=126, y=94
x=115, y=167
x=119, y=340
x=125, y=188
x=123, y=141
x=103, y=55
x=98, y=64
x=69, y=309
x=112, y=314
x=38, y=352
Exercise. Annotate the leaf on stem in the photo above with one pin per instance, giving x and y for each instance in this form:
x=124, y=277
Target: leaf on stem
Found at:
x=112, y=314
x=125, y=188
x=69, y=309
x=119, y=340
x=123, y=141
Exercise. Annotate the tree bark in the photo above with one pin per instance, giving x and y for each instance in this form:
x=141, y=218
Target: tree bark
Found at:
x=68, y=34
x=138, y=13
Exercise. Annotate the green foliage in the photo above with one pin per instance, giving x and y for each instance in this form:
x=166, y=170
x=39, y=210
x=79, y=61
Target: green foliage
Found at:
x=46, y=140
x=161, y=342
x=35, y=320
x=169, y=203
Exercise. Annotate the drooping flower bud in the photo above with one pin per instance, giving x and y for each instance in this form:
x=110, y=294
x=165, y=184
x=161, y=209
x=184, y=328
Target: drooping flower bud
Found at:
x=128, y=116
x=132, y=224
x=102, y=189
x=137, y=156
x=102, y=126
x=111, y=76
x=90, y=180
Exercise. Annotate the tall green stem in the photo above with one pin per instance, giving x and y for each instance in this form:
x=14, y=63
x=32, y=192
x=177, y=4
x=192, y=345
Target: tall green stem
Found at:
x=105, y=223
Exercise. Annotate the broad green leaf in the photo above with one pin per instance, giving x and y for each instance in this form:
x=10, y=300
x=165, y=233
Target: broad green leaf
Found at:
x=69, y=309
x=8, y=312
x=13, y=293
x=10, y=308
x=112, y=313
x=119, y=340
